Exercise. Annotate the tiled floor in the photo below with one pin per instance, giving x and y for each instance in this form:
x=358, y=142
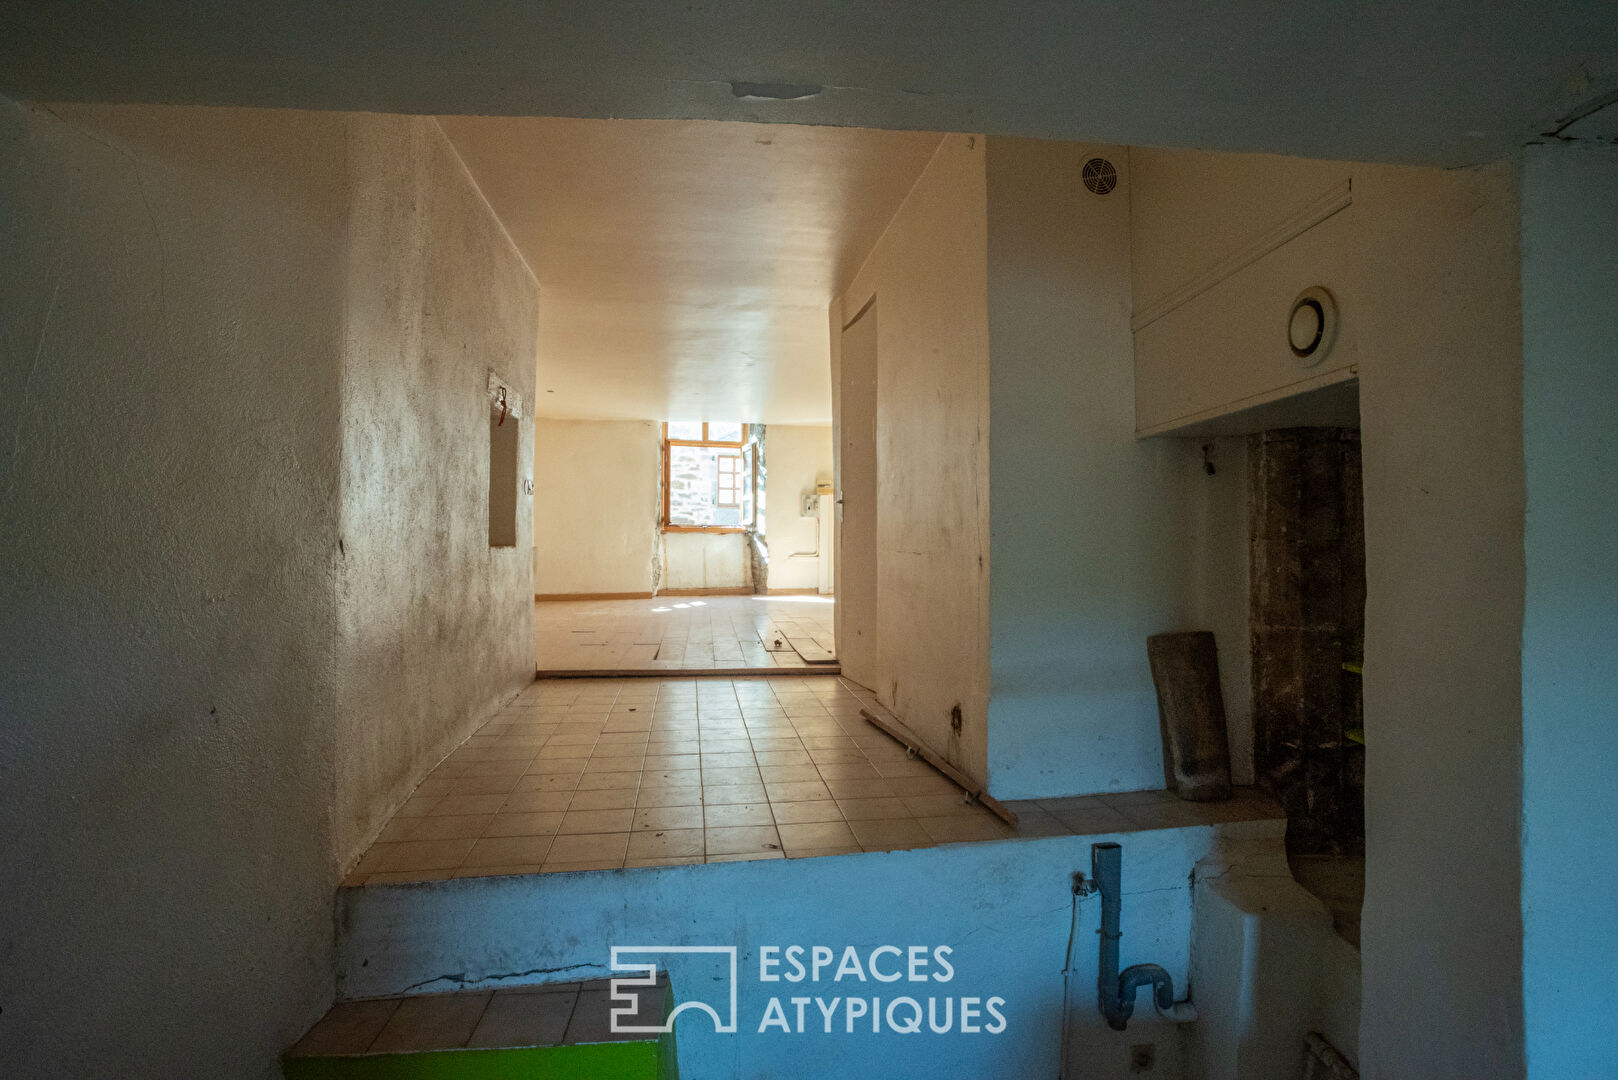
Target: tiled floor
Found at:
x=590, y=774
x=548, y=1014
x=679, y=633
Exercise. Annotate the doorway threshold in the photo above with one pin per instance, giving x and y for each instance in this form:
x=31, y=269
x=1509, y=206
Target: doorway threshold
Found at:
x=676, y=669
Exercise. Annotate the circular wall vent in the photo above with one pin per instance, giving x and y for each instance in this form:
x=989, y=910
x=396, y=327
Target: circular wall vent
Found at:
x=1312, y=326
x=1099, y=176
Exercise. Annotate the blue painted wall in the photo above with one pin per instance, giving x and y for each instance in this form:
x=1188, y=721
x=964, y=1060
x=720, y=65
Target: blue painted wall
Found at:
x=1004, y=909
x=1570, y=626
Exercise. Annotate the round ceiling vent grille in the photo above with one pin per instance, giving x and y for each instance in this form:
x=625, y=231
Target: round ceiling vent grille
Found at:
x=1099, y=176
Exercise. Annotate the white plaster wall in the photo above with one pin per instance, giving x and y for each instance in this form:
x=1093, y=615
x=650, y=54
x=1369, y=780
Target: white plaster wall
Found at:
x=1425, y=264
x=595, y=505
x=706, y=561
x=170, y=328
x=1570, y=626
x=798, y=457
x=1094, y=531
x=435, y=627
x=928, y=273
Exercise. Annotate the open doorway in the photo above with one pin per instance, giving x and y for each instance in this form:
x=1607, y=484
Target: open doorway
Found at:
x=684, y=466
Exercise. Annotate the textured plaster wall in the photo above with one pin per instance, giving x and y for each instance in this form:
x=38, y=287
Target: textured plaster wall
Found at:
x=170, y=326
x=1424, y=265
x=247, y=593
x=932, y=401
x=595, y=505
x=435, y=627
x=1092, y=530
x=1009, y=919
x=1570, y=627
x=798, y=456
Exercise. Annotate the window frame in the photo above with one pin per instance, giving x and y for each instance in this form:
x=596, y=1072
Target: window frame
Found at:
x=738, y=445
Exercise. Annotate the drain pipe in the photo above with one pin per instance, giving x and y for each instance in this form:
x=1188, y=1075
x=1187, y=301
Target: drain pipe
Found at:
x=1118, y=989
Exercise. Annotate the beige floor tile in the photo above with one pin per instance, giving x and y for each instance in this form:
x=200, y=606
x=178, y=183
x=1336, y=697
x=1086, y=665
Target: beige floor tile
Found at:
x=730, y=794
x=784, y=774
x=608, y=780
x=783, y=757
x=349, y=1028
x=546, y=782
x=916, y=786
x=667, y=817
x=508, y=851
x=672, y=777
x=482, y=785
x=797, y=813
x=893, y=769
x=1122, y=799
x=769, y=743
x=847, y=770
x=716, y=777
x=1164, y=815
x=797, y=791
x=524, y=1020
x=860, y=789
x=434, y=1022
x=510, y=767
x=596, y=821
x=742, y=839
x=726, y=815
x=867, y=809
x=713, y=747
x=576, y=753
x=820, y=834
x=1087, y=822
x=890, y=834
x=533, y=802
x=418, y=855
x=746, y=856
x=665, y=844
x=810, y=853
x=669, y=796
x=542, y=823
x=658, y=762
x=727, y=761
x=955, y=829
x=603, y=799
x=943, y=806
x=584, y=847
x=1040, y=823
x=453, y=827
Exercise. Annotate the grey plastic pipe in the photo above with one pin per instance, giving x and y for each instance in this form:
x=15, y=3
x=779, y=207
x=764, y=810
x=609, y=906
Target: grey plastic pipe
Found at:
x=1117, y=990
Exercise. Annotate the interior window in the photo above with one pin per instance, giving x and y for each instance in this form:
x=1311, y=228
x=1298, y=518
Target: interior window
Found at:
x=708, y=479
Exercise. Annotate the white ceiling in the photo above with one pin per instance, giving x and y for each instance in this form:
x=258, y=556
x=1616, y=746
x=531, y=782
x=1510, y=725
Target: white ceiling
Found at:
x=1422, y=81
x=685, y=265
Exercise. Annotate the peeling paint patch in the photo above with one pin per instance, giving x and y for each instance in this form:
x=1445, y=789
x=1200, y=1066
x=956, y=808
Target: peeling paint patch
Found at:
x=775, y=91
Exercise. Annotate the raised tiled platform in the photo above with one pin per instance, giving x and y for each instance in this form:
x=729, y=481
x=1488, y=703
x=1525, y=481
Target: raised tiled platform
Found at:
x=544, y=1030
x=583, y=775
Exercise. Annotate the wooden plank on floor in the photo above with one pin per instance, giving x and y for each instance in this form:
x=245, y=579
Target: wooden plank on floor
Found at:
x=810, y=650
x=895, y=728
